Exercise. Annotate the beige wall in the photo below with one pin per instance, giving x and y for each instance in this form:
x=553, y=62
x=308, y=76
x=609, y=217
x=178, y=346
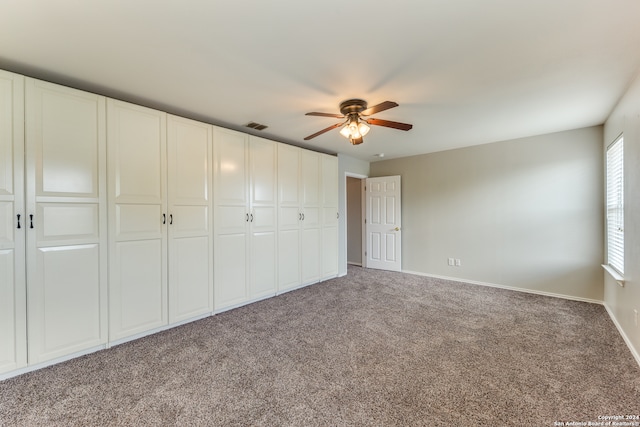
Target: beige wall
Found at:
x=621, y=301
x=526, y=213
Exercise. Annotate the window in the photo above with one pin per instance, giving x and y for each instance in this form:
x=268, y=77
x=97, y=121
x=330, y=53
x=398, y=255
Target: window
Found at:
x=615, y=205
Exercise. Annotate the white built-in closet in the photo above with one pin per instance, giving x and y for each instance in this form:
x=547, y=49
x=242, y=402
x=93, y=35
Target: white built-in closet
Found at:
x=118, y=220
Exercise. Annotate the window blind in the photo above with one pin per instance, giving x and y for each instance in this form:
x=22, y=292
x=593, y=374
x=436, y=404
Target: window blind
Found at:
x=615, y=205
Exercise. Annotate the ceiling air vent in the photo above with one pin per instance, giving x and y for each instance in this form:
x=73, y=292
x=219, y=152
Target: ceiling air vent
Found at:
x=256, y=126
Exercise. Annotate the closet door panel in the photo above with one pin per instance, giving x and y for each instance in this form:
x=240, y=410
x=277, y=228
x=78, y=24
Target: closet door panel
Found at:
x=13, y=335
x=310, y=255
x=232, y=218
x=329, y=218
x=311, y=222
x=288, y=176
x=139, y=300
x=12, y=338
x=310, y=173
x=263, y=264
x=231, y=270
x=329, y=252
x=64, y=122
x=66, y=224
x=7, y=224
x=263, y=158
x=189, y=145
x=289, y=217
x=138, y=152
x=264, y=176
x=59, y=222
x=138, y=222
x=189, y=161
x=65, y=303
x=288, y=259
x=190, y=263
x=191, y=220
x=231, y=176
x=138, y=219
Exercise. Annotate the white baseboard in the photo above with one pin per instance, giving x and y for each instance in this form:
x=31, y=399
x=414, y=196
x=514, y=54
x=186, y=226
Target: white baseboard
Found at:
x=626, y=339
x=511, y=288
x=51, y=362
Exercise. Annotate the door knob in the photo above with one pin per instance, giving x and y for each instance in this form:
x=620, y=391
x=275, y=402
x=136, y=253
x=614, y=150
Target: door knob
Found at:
x=397, y=228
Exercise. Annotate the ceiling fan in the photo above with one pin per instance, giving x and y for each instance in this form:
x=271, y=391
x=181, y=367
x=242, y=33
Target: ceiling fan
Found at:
x=356, y=125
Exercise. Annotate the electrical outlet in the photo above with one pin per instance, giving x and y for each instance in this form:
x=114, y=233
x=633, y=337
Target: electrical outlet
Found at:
x=458, y=263
x=635, y=317
x=451, y=262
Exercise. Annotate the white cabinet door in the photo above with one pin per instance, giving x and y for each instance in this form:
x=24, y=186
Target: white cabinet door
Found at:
x=311, y=232
x=289, y=217
x=66, y=234
x=262, y=217
x=329, y=217
x=137, y=219
x=190, y=218
x=13, y=323
x=231, y=197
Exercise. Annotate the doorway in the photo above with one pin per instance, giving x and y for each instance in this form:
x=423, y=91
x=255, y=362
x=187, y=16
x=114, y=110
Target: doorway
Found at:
x=355, y=221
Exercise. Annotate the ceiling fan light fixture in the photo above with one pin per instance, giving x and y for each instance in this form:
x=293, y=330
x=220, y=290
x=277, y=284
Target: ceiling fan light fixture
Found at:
x=354, y=129
x=356, y=141
x=363, y=128
x=345, y=131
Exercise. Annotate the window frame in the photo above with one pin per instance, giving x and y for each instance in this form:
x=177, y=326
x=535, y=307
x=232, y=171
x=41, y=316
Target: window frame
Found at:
x=614, y=207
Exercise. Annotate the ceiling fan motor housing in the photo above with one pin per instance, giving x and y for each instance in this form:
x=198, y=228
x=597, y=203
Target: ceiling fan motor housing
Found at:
x=353, y=106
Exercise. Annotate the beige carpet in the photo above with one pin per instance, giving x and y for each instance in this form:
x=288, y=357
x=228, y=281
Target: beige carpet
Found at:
x=372, y=348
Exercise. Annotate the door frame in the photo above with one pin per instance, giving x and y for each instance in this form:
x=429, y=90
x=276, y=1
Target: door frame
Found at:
x=363, y=244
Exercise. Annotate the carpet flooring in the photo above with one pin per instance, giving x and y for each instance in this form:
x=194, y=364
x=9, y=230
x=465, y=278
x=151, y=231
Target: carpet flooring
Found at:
x=372, y=348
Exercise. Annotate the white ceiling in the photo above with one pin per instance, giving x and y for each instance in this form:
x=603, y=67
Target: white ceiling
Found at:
x=464, y=72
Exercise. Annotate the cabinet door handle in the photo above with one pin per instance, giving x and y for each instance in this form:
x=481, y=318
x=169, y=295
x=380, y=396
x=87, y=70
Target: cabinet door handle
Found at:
x=164, y=218
x=251, y=217
x=247, y=218
x=303, y=217
x=299, y=216
x=337, y=215
x=19, y=221
x=170, y=219
x=30, y=221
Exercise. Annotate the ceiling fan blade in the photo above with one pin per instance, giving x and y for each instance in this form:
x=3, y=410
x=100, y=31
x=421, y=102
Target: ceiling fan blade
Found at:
x=323, y=131
x=380, y=107
x=337, y=116
x=389, y=124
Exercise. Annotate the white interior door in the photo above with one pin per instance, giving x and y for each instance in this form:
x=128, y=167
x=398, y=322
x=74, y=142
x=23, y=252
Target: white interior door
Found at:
x=383, y=223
